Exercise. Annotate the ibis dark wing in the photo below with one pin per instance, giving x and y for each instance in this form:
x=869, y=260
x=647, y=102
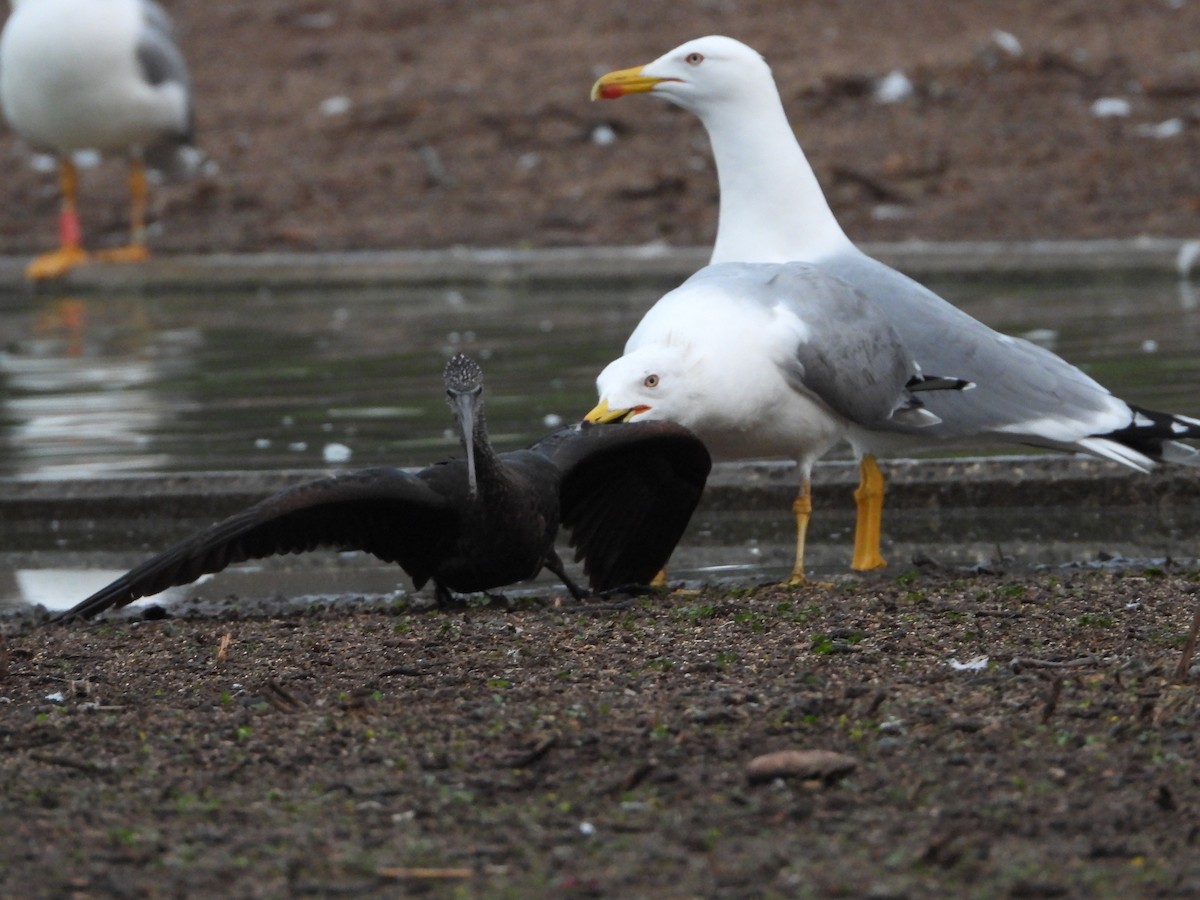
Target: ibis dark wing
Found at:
x=628, y=492
x=390, y=513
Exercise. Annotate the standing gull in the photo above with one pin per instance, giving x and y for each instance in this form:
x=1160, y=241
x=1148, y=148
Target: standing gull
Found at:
x=624, y=492
x=764, y=360
x=773, y=210
x=103, y=75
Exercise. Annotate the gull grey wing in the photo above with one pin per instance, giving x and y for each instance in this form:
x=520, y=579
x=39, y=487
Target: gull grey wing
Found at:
x=389, y=513
x=850, y=355
x=158, y=55
x=628, y=492
x=1023, y=392
x=162, y=62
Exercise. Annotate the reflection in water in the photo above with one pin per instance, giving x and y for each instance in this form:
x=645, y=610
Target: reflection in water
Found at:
x=271, y=379
x=84, y=389
x=53, y=588
x=1189, y=296
x=54, y=434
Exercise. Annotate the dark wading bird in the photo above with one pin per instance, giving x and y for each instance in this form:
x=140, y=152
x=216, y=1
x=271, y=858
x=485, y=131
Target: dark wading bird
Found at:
x=625, y=493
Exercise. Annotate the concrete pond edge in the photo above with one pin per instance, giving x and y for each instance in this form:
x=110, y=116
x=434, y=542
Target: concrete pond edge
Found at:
x=964, y=483
x=1145, y=256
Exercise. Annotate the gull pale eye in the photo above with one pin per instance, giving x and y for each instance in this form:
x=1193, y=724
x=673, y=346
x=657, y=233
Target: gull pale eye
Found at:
x=694, y=59
x=651, y=381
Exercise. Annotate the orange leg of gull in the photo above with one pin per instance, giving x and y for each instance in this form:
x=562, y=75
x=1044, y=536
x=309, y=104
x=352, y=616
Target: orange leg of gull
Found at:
x=802, y=508
x=70, y=252
x=869, y=499
x=136, y=251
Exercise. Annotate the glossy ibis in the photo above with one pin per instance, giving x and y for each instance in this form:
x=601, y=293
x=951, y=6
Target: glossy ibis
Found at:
x=625, y=494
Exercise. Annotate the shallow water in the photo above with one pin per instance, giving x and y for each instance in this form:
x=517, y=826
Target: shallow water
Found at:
x=103, y=384
x=92, y=385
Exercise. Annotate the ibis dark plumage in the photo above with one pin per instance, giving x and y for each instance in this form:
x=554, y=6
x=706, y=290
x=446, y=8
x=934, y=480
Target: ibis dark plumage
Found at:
x=624, y=492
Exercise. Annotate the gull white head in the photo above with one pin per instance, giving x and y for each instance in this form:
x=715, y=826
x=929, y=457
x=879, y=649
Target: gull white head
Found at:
x=772, y=208
x=650, y=383
x=699, y=75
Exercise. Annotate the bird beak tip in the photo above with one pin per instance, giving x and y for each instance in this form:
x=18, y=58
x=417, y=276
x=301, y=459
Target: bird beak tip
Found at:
x=603, y=414
x=617, y=84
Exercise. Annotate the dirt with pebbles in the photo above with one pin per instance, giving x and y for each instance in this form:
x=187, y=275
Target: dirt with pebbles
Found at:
x=1013, y=735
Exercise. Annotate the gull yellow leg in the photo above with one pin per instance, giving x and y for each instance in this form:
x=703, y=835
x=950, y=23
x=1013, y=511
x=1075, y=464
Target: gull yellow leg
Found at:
x=869, y=499
x=802, y=508
x=659, y=580
x=136, y=251
x=70, y=252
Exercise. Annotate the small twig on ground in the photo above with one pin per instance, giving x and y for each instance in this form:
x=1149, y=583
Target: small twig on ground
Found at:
x=281, y=698
x=1189, y=649
x=634, y=778
x=1022, y=662
x=83, y=766
x=425, y=873
x=614, y=606
x=529, y=757
x=401, y=670
x=1052, y=700
x=36, y=740
x=223, y=646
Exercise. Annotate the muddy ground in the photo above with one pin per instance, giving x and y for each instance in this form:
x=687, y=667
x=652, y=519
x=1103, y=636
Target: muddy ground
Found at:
x=1030, y=734
x=455, y=123
x=362, y=749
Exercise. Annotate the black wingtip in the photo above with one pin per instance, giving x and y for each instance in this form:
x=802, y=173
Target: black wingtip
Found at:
x=938, y=383
x=1158, y=435
x=85, y=609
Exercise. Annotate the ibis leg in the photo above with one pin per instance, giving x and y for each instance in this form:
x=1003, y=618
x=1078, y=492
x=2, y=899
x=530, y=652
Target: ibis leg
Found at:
x=555, y=564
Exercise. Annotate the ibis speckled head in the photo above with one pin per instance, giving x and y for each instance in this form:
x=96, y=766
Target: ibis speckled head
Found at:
x=464, y=392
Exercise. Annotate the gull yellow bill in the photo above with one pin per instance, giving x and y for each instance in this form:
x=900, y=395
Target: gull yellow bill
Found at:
x=625, y=81
x=601, y=414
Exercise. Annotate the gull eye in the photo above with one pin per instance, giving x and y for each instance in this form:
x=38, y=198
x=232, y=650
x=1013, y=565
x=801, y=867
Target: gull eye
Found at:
x=651, y=380
x=694, y=59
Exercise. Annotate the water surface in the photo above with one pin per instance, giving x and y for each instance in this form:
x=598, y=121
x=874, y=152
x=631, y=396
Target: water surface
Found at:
x=271, y=379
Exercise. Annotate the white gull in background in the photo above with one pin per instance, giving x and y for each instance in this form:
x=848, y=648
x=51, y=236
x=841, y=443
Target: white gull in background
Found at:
x=773, y=210
x=761, y=360
x=103, y=75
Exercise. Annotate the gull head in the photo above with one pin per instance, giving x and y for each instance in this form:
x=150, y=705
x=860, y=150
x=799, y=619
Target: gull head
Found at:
x=650, y=383
x=701, y=73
